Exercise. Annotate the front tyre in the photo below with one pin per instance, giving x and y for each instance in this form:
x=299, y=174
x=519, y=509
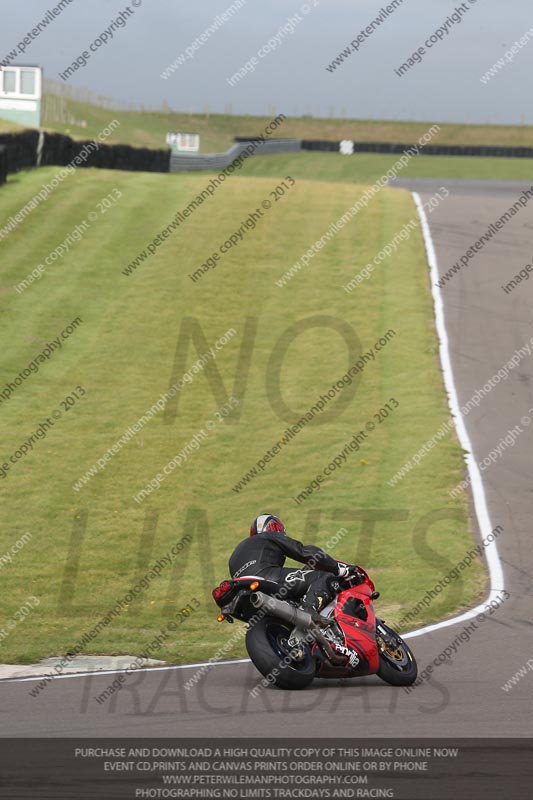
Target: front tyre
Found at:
x=266, y=642
x=397, y=664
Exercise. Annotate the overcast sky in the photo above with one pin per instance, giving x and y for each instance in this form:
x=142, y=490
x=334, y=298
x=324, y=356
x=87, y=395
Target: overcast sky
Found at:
x=445, y=86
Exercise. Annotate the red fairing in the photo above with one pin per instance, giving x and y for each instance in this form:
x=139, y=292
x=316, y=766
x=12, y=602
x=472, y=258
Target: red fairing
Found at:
x=360, y=634
x=364, y=574
x=368, y=580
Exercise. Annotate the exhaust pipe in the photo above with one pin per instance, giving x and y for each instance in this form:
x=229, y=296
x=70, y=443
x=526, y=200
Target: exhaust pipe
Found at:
x=295, y=616
x=298, y=619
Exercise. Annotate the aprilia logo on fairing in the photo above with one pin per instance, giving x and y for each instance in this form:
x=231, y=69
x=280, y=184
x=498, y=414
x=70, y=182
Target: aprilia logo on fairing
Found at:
x=352, y=655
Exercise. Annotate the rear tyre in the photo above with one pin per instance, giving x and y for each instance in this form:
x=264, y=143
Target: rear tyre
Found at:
x=397, y=664
x=266, y=642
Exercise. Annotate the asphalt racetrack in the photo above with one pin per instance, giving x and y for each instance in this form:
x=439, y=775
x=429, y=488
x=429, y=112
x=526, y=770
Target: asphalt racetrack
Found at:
x=463, y=696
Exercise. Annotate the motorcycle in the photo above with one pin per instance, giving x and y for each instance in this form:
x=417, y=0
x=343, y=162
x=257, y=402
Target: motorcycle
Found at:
x=290, y=647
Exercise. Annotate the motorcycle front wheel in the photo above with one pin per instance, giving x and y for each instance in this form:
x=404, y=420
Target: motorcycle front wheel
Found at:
x=397, y=664
x=266, y=642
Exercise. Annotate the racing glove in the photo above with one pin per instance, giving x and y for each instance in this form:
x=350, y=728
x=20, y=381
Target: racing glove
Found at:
x=346, y=570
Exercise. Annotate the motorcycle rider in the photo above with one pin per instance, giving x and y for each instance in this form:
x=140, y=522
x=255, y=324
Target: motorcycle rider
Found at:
x=263, y=554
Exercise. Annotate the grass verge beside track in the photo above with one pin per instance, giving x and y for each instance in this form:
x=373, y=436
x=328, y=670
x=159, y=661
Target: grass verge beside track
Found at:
x=368, y=167
x=88, y=548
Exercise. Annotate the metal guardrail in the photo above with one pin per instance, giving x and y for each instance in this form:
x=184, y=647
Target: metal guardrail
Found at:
x=217, y=161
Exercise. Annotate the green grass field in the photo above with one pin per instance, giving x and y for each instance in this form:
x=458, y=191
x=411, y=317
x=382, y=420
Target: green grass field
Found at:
x=89, y=547
x=368, y=167
x=217, y=131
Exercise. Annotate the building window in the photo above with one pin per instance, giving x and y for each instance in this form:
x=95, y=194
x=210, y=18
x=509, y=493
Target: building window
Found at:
x=27, y=81
x=10, y=80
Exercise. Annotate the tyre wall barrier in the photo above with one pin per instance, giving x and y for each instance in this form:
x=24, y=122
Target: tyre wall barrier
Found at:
x=60, y=150
x=3, y=164
x=349, y=147
x=21, y=149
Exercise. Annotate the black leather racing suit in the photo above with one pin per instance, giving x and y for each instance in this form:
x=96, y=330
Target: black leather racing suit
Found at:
x=263, y=556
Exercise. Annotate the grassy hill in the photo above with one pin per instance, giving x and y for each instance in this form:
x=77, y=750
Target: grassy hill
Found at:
x=217, y=131
x=92, y=543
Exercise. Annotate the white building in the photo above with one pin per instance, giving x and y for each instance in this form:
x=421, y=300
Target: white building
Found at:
x=21, y=89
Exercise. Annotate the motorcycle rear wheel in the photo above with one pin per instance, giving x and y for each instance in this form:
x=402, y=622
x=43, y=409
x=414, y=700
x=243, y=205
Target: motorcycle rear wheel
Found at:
x=397, y=664
x=266, y=642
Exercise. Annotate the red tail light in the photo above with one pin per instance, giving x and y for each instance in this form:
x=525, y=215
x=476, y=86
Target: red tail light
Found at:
x=221, y=590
